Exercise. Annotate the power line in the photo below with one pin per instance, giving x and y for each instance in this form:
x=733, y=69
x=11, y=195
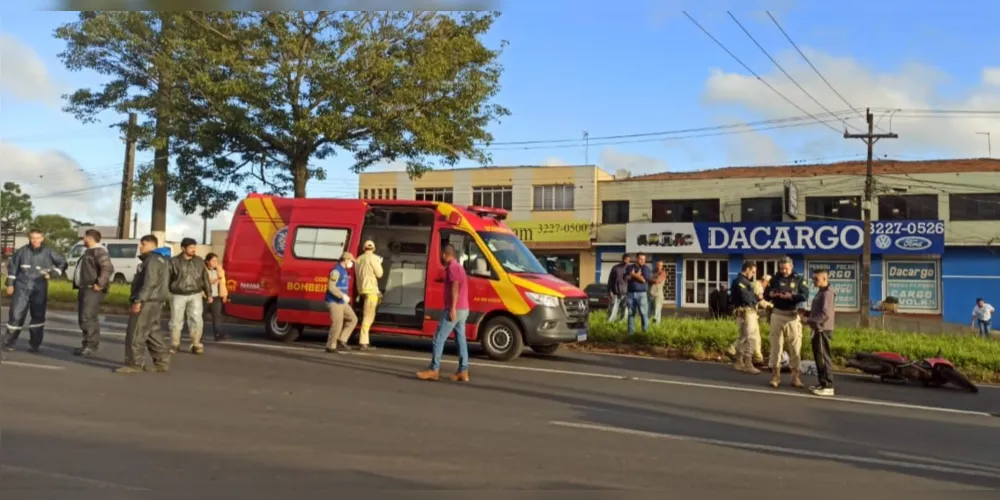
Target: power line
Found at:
x=782, y=69
x=752, y=72
x=814, y=68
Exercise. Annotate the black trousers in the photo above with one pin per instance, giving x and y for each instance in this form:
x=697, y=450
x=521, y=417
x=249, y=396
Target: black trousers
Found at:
x=214, y=311
x=143, y=333
x=88, y=309
x=821, y=353
x=26, y=300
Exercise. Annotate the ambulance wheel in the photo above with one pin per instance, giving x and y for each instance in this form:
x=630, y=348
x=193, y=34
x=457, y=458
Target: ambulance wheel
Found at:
x=547, y=350
x=277, y=330
x=119, y=279
x=501, y=339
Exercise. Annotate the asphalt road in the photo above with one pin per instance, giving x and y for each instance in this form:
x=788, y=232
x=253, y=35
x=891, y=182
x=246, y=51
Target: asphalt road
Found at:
x=256, y=418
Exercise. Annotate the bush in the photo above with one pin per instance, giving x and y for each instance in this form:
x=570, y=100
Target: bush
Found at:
x=978, y=358
x=62, y=291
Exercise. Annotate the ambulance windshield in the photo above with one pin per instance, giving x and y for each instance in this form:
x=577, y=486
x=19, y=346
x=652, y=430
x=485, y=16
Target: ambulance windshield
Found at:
x=512, y=254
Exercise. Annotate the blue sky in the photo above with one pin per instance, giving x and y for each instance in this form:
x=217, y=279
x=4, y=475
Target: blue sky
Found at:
x=575, y=66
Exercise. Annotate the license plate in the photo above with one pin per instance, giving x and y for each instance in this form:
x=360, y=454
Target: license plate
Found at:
x=594, y=299
x=580, y=337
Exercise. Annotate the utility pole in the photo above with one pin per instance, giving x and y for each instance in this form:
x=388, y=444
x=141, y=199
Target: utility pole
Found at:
x=125, y=207
x=586, y=147
x=204, y=229
x=989, y=143
x=866, y=259
x=135, y=226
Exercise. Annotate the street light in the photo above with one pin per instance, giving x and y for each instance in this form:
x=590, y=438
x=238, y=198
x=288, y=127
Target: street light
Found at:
x=989, y=143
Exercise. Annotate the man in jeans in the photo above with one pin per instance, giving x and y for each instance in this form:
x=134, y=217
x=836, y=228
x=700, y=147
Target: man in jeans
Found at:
x=639, y=277
x=656, y=290
x=188, y=281
x=91, y=278
x=982, y=317
x=821, y=318
x=617, y=289
x=456, y=313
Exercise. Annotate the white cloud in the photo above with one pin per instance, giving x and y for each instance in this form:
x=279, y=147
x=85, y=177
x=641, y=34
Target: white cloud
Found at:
x=59, y=185
x=23, y=73
x=991, y=76
x=552, y=161
x=910, y=87
x=613, y=160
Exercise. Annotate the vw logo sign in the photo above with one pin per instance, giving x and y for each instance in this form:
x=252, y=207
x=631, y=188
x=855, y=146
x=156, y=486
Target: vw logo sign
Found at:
x=278, y=243
x=883, y=241
x=913, y=243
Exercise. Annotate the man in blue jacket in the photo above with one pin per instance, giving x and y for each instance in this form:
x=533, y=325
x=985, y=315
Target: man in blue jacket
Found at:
x=28, y=273
x=338, y=301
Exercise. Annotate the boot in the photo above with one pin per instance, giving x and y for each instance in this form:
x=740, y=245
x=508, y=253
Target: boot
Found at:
x=749, y=367
x=462, y=376
x=429, y=375
x=740, y=364
x=775, y=377
x=797, y=378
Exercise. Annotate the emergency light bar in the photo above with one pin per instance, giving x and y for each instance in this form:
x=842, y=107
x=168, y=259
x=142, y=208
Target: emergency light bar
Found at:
x=497, y=214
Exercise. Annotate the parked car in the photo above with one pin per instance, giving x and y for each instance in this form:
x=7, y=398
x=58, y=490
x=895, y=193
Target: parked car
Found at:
x=598, y=295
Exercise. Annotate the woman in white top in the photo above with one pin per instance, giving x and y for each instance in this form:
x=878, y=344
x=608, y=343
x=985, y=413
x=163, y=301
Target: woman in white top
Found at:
x=220, y=294
x=982, y=316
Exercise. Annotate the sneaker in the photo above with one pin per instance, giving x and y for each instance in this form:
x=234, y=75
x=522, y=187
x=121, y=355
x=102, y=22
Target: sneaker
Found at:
x=128, y=370
x=85, y=352
x=157, y=368
x=462, y=376
x=197, y=349
x=429, y=375
x=8, y=347
x=174, y=349
x=366, y=348
x=822, y=391
x=35, y=349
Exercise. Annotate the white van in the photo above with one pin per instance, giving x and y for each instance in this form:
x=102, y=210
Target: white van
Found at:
x=124, y=256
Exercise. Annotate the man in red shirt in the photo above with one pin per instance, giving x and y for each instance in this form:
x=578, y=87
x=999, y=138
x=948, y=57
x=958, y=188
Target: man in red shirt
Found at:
x=456, y=313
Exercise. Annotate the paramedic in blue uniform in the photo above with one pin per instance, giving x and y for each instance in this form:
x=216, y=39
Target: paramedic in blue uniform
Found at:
x=338, y=301
x=28, y=273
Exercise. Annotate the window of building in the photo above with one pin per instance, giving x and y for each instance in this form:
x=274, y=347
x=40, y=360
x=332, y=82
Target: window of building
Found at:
x=760, y=210
x=908, y=207
x=766, y=268
x=974, y=206
x=670, y=266
x=493, y=196
x=821, y=208
x=701, y=278
x=686, y=210
x=614, y=212
x=444, y=195
x=319, y=243
x=554, y=197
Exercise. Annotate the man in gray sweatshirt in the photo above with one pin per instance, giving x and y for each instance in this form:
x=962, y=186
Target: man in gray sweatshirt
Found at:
x=821, y=319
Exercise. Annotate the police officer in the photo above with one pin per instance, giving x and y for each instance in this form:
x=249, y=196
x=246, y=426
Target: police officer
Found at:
x=744, y=304
x=28, y=273
x=787, y=290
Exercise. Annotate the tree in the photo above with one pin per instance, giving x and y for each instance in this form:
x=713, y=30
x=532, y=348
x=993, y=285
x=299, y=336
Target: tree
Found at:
x=267, y=93
x=136, y=50
x=59, y=231
x=16, y=209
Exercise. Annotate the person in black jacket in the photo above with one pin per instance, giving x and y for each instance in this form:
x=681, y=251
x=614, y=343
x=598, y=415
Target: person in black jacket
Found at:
x=91, y=278
x=744, y=303
x=787, y=291
x=617, y=289
x=28, y=273
x=150, y=290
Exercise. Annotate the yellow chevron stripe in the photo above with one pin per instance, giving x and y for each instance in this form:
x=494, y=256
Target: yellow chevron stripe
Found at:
x=531, y=286
x=260, y=210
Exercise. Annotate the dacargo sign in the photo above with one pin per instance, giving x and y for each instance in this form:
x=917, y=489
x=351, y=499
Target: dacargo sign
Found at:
x=785, y=238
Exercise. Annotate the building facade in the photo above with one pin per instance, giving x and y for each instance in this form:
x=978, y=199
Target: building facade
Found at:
x=935, y=239
x=554, y=210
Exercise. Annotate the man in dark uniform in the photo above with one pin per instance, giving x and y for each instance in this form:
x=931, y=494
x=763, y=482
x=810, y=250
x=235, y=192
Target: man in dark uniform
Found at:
x=91, y=279
x=744, y=303
x=150, y=290
x=787, y=290
x=28, y=273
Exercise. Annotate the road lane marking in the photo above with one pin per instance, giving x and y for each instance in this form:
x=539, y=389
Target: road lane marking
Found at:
x=781, y=451
x=8, y=362
x=607, y=376
x=56, y=475
x=904, y=456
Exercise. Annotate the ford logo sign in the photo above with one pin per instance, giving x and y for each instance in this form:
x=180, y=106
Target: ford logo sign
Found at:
x=913, y=243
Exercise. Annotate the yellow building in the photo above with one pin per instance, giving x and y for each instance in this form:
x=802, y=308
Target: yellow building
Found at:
x=554, y=210
x=963, y=194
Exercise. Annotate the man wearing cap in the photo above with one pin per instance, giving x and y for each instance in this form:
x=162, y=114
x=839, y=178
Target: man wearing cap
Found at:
x=338, y=301
x=188, y=281
x=368, y=272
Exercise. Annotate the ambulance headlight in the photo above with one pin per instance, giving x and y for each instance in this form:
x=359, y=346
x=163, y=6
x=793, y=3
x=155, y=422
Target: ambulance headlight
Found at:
x=542, y=299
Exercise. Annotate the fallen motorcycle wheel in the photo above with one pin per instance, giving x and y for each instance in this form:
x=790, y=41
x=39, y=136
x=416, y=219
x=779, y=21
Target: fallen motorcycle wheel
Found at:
x=954, y=377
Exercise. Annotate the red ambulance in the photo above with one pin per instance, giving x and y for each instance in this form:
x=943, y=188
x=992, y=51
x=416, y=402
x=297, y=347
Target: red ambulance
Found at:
x=280, y=251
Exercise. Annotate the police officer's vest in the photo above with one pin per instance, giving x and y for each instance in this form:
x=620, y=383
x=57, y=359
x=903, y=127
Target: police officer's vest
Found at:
x=343, y=284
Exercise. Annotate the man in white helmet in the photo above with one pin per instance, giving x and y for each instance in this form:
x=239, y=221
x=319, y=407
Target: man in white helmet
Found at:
x=369, y=271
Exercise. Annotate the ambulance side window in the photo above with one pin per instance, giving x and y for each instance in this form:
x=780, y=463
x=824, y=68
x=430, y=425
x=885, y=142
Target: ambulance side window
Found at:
x=320, y=243
x=468, y=253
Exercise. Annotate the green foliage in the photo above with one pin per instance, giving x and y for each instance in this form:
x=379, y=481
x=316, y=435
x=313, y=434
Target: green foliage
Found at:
x=61, y=291
x=59, y=231
x=16, y=208
x=978, y=358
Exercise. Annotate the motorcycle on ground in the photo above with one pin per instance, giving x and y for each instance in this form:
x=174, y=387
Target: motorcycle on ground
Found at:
x=896, y=368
